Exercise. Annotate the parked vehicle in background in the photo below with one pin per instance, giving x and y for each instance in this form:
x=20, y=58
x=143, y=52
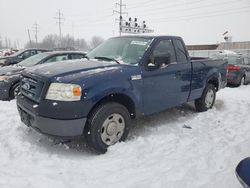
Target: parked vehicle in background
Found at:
x=243, y=172
x=10, y=75
x=9, y=52
x=124, y=78
x=238, y=70
x=238, y=67
x=20, y=56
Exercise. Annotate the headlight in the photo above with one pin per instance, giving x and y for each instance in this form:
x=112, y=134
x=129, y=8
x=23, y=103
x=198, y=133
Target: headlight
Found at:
x=3, y=78
x=2, y=61
x=64, y=92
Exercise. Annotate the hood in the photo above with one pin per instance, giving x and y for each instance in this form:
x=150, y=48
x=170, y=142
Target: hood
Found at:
x=10, y=70
x=4, y=60
x=74, y=69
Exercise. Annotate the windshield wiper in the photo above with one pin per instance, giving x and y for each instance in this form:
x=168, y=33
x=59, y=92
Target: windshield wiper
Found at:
x=18, y=65
x=107, y=59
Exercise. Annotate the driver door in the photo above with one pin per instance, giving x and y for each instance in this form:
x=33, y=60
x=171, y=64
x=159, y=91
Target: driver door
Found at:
x=162, y=85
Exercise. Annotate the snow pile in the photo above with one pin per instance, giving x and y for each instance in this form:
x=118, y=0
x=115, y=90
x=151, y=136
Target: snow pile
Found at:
x=174, y=149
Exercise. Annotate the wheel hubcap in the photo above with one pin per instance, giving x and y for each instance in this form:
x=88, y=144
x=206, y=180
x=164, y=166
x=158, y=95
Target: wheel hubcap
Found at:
x=209, y=98
x=112, y=129
x=16, y=91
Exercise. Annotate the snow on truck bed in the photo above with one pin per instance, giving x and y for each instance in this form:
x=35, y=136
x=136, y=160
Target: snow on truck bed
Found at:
x=174, y=149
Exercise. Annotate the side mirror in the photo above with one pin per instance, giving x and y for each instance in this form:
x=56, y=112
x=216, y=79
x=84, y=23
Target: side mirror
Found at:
x=157, y=61
x=20, y=57
x=162, y=60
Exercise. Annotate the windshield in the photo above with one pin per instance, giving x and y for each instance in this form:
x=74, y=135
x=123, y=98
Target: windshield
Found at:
x=127, y=50
x=33, y=60
x=17, y=53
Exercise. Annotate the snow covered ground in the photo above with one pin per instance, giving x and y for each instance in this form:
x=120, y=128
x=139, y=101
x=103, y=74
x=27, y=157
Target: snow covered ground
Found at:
x=161, y=150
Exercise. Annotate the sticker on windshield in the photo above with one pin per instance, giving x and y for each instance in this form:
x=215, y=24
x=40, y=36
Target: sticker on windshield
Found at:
x=142, y=43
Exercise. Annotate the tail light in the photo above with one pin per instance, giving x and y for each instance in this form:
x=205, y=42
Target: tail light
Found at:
x=233, y=67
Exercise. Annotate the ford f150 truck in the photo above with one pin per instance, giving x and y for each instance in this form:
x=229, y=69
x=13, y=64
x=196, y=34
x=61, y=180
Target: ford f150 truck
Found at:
x=122, y=79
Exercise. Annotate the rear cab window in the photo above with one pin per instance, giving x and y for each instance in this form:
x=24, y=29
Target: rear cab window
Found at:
x=77, y=56
x=180, y=51
x=58, y=58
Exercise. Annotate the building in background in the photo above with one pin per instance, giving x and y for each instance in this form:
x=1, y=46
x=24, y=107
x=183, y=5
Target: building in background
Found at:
x=208, y=50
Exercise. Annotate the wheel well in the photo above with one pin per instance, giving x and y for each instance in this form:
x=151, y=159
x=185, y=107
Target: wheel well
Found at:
x=214, y=82
x=119, y=98
x=13, y=85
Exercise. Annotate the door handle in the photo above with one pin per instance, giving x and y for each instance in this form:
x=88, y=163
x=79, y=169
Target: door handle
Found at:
x=177, y=73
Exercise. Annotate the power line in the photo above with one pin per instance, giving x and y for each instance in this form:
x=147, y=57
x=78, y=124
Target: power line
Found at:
x=90, y=21
x=120, y=12
x=193, y=8
x=175, y=4
x=208, y=14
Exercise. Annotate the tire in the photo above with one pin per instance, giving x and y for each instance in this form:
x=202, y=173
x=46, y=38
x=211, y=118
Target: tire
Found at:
x=108, y=124
x=242, y=81
x=14, y=91
x=207, y=99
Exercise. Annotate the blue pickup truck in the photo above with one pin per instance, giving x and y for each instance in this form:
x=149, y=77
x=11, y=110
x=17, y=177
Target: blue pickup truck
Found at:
x=120, y=80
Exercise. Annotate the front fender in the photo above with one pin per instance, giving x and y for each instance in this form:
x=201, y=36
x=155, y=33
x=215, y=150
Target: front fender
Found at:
x=105, y=89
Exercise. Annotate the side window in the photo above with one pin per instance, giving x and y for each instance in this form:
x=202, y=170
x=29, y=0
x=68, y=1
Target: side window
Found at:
x=246, y=61
x=57, y=58
x=26, y=54
x=39, y=51
x=32, y=52
x=165, y=48
x=77, y=56
x=180, y=51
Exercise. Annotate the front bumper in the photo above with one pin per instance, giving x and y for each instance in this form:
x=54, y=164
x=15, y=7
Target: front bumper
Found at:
x=4, y=91
x=71, y=127
x=243, y=172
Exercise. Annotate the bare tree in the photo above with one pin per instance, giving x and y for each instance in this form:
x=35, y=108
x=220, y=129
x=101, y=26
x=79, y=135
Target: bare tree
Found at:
x=67, y=42
x=95, y=41
x=50, y=41
x=81, y=44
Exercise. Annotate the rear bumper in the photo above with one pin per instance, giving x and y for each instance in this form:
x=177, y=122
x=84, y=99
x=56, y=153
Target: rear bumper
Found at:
x=233, y=78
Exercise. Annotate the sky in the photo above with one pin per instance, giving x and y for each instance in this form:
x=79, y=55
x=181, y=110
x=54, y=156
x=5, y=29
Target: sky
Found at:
x=197, y=21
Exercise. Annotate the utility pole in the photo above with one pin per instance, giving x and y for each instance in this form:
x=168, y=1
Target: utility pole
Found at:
x=121, y=13
x=35, y=27
x=60, y=22
x=29, y=37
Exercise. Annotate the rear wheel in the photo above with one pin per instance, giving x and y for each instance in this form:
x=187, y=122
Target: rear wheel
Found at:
x=108, y=124
x=242, y=81
x=207, y=99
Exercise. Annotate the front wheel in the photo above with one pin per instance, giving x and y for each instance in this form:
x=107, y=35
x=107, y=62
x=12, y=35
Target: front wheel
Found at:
x=108, y=124
x=15, y=90
x=207, y=99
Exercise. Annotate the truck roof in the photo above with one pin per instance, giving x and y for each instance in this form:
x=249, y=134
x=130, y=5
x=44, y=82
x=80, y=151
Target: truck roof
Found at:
x=149, y=36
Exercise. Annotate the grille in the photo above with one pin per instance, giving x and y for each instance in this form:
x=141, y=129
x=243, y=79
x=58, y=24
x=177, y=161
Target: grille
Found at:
x=32, y=88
